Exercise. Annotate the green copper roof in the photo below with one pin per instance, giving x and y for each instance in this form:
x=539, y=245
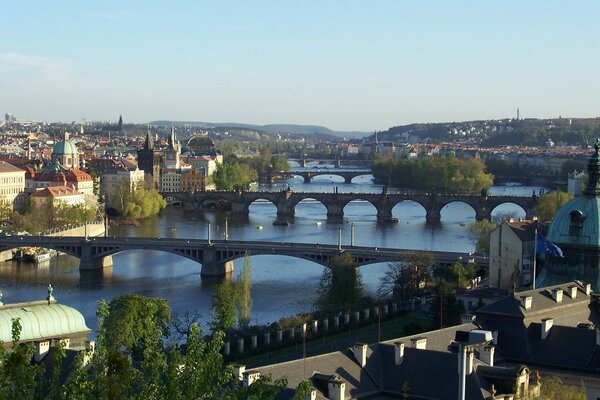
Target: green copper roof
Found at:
x=41, y=320
x=65, y=147
x=578, y=222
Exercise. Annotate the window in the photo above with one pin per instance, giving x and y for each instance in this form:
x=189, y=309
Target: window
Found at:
x=576, y=223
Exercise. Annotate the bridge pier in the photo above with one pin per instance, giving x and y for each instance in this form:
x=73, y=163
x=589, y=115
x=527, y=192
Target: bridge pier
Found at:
x=348, y=179
x=481, y=215
x=307, y=178
x=213, y=267
x=88, y=261
x=335, y=213
x=384, y=214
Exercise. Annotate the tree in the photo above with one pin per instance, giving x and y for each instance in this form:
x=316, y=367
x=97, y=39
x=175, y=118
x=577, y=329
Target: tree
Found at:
x=548, y=204
x=457, y=275
x=482, y=230
x=244, y=295
x=553, y=388
x=19, y=378
x=406, y=277
x=134, y=324
x=234, y=176
x=139, y=203
x=223, y=306
x=340, y=286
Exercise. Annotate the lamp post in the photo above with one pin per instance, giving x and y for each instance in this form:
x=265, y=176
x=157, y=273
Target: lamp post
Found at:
x=352, y=234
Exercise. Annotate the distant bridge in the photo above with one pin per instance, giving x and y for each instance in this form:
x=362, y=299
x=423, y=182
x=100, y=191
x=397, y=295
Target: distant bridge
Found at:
x=216, y=256
x=309, y=174
x=286, y=202
x=337, y=162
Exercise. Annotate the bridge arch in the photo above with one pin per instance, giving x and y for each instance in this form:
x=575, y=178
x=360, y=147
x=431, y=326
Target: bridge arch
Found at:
x=507, y=209
x=359, y=208
x=446, y=211
x=262, y=202
x=408, y=209
x=366, y=174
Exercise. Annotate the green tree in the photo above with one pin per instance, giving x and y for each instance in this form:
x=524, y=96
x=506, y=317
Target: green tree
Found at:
x=406, y=277
x=135, y=323
x=223, y=306
x=140, y=203
x=340, y=286
x=457, y=275
x=233, y=176
x=19, y=378
x=548, y=204
x=482, y=230
x=244, y=295
x=302, y=390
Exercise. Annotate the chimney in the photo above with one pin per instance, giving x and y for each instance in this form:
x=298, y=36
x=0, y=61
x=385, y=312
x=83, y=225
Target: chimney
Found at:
x=588, y=289
x=469, y=361
x=467, y=318
x=495, y=337
x=526, y=302
x=360, y=353
x=311, y=395
x=336, y=389
x=486, y=355
x=41, y=349
x=557, y=295
x=572, y=291
x=546, y=325
x=419, y=343
x=238, y=371
x=250, y=377
x=398, y=353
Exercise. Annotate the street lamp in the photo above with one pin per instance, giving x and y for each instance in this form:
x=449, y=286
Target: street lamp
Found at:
x=468, y=341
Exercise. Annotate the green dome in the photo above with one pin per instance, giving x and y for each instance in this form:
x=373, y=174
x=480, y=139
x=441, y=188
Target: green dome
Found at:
x=65, y=147
x=577, y=223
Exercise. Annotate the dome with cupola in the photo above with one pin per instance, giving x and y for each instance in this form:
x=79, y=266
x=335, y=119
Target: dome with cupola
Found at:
x=575, y=228
x=66, y=153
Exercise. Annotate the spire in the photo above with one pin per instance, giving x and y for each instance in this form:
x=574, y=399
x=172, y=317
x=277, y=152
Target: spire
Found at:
x=120, y=126
x=149, y=144
x=593, y=187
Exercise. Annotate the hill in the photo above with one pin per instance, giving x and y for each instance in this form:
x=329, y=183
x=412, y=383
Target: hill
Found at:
x=272, y=128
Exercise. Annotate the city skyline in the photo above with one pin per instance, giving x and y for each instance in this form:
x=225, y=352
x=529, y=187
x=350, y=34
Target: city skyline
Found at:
x=344, y=65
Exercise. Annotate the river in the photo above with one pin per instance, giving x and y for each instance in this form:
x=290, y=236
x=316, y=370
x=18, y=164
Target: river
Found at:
x=282, y=285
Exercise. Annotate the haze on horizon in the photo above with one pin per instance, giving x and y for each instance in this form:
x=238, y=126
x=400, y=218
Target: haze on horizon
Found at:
x=346, y=65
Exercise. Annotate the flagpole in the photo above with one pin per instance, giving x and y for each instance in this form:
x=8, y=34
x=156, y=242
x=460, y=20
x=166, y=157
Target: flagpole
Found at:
x=534, y=257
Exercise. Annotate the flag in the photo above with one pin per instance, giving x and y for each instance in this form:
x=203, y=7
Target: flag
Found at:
x=544, y=246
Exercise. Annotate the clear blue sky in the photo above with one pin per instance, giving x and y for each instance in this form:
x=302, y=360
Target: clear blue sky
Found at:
x=348, y=65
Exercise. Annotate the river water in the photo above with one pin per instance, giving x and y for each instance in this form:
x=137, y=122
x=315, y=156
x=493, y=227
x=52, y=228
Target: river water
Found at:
x=282, y=285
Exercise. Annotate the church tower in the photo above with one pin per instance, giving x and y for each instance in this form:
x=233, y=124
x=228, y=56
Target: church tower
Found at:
x=149, y=161
x=172, y=152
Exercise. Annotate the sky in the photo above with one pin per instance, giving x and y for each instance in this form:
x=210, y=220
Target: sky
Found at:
x=348, y=65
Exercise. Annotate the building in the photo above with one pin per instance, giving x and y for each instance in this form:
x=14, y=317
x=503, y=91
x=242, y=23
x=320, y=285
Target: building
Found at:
x=556, y=328
x=172, y=152
x=575, y=228
x=511, y=254
x=170, y=180
x=192, y=180
x=12, y=186
x=206, y=165
x=120, y=180
x=58, y=195
x=73, y=178
x=201, y=145
x=149, y=161
x=44, y=323
x=65, y=153
x=576, y=183
x=423, y=366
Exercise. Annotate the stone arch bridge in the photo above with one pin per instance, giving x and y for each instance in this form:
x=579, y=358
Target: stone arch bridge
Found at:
x=216, y=256
x=309, y=174
x=286, y=201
